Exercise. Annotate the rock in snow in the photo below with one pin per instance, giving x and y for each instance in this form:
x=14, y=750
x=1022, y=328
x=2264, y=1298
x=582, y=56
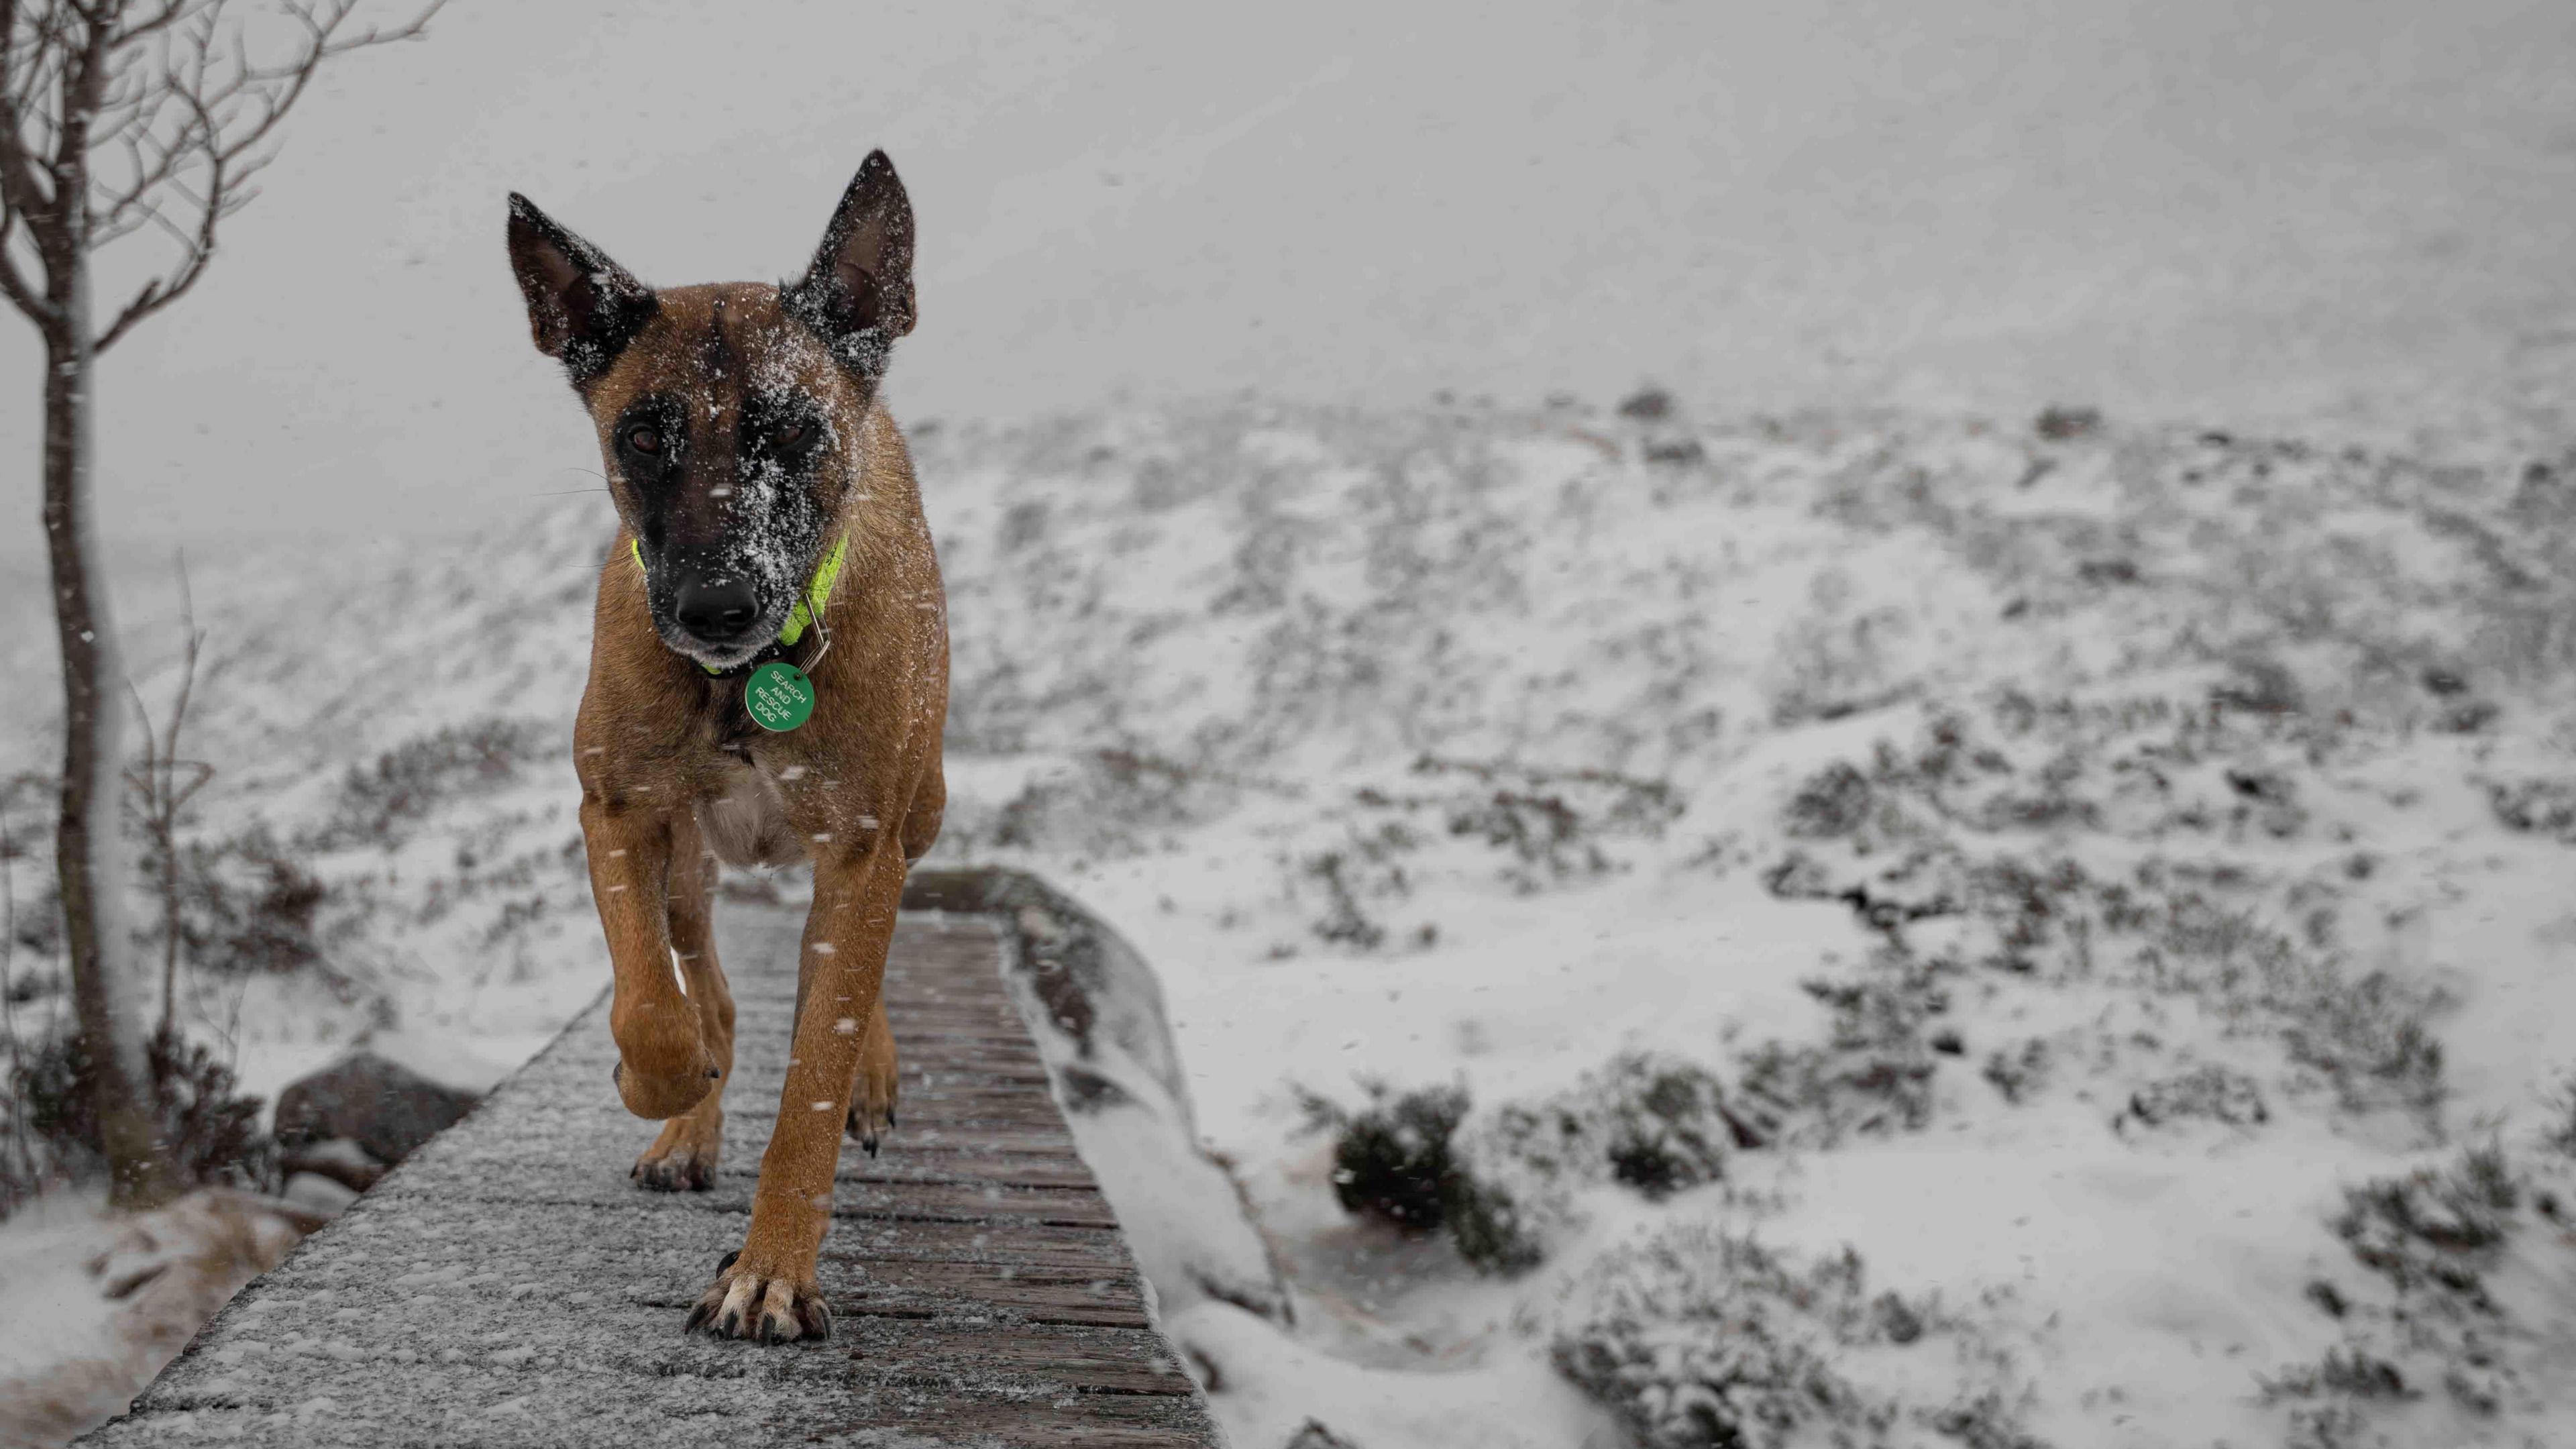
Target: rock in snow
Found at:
x=387, y=1110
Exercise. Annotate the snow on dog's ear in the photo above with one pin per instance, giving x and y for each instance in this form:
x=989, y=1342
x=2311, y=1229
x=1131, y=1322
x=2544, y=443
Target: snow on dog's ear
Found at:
x=582, y=307
x=858, y=294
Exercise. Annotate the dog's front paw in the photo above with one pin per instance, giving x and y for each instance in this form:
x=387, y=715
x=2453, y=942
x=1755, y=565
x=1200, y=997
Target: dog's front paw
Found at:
x=765, y=1307
x=683, y=1158
x=659, y=1096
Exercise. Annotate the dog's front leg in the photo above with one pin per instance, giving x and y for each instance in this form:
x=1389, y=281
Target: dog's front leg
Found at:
x=663, y=1068
x=768, y=1290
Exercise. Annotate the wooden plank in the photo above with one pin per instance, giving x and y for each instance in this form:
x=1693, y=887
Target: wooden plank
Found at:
x=973, y=1203
x=1037, y=1293
x=939, y=1200
x=1086, y=1360
x=1103, y=1421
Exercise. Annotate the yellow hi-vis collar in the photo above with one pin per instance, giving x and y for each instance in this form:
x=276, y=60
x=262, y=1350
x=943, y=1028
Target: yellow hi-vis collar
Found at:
x=817, y=597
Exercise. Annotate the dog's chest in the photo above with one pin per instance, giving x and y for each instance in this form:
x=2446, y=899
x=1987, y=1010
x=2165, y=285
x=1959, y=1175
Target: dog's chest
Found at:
x=742, y=812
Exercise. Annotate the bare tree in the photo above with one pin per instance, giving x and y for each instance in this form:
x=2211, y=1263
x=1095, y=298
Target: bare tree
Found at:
x=164, y=784
x=117, y=117
x=18, y=1175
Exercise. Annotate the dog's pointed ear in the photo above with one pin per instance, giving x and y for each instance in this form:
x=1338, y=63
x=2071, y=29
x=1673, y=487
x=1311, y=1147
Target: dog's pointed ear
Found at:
x=582, y=307
x=858, y=294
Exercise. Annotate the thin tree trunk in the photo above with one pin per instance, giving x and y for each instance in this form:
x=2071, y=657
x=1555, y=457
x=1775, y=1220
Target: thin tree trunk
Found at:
x=87, y=849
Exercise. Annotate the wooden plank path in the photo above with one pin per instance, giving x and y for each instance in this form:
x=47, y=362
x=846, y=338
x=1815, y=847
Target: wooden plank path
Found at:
x=509, y=1286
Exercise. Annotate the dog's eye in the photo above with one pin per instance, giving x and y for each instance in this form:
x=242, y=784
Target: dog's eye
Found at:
x=645, y=438
x=794, y=434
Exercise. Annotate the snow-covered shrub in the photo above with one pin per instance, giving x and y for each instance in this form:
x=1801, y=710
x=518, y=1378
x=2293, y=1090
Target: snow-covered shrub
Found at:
x=2535, y=807
x=1552, y=823
x=1392, y=1159
x=1697, y=1338
x=210, y=1131
x=1352, y=880
x=248, y=905
x=1107, y=803
x=2436, y=1230
x=2372, y=1036
x=1650, y=1123
x=1832, y=803
x=2457, y=1297
x=2558, y=1132
x=2020, y=1072
x=1842, y=656
x=378, y=804
x=1552, y=826
x=2347, y=1372
x=1442, y=820
x=2210, y=1092
x=1873, y=1072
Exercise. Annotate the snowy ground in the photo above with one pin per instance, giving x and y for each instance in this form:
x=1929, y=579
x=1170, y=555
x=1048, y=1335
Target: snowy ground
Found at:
x=2083, y=876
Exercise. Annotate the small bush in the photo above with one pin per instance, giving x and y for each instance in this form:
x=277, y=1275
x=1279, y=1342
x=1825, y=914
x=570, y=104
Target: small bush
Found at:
x=1391, y=1159
x=1649, y=1123
x=2535, y=807
x=1110, y=804
x=209, y=1130
x=376, y=805
x=2212, y=1093
x=2436, y=1238
x=2559, y=1133
x=2434, y=1230
x=1346, y=920
x=2060, y=422
x=248, y=907
x=1874, y=1073
x=2350, y=1372
x=2371, y=1037
x=1551, y=823
x=1835, y=801
x=1696, y=1338
x=2020, y=1072
x=1647, y=405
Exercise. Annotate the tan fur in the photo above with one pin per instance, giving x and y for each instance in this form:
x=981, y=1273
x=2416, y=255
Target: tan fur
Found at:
x=672, y=776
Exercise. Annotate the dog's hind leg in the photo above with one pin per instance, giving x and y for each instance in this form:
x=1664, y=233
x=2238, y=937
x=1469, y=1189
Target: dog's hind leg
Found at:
x=685, y=1154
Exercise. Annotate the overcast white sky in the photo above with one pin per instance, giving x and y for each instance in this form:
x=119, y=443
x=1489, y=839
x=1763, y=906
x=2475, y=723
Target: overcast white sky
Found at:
x=2228, y=210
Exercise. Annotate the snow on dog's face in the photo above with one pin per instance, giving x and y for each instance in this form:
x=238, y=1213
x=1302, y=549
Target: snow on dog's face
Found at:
x=731, y=416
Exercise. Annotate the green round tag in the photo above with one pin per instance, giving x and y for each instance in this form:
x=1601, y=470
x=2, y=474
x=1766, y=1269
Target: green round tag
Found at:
x=779, y=696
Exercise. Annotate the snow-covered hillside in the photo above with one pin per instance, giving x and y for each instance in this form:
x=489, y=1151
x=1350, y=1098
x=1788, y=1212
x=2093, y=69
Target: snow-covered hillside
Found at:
x=1931, y=930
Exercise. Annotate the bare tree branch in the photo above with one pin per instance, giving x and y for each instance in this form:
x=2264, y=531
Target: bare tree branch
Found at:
x=13, y=283
x=27, y=64
x=224, y=107
x=120, y=116
x=170, y=13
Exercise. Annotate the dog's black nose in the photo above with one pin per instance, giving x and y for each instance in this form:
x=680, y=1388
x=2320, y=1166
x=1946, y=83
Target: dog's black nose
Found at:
x=715, y=606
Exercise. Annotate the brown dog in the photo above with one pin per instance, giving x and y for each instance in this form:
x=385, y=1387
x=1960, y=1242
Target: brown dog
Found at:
x=767, y=516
